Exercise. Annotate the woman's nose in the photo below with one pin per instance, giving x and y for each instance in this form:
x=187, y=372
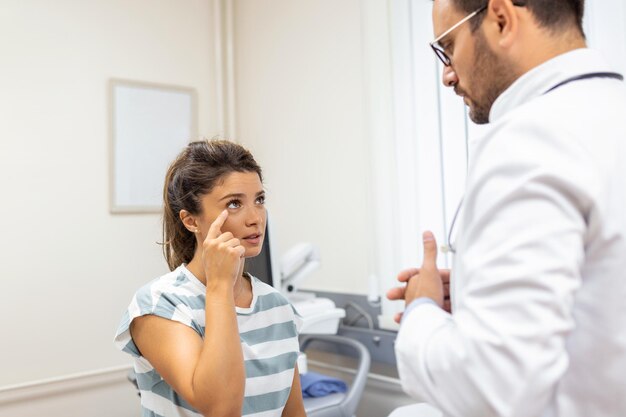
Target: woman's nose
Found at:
x=253, y=216
x=449, y=76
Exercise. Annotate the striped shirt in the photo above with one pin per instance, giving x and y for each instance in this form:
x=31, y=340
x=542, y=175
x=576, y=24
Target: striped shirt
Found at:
x=267, y=330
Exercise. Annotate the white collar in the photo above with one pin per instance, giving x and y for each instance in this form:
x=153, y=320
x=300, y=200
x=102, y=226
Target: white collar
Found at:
x=545, y=76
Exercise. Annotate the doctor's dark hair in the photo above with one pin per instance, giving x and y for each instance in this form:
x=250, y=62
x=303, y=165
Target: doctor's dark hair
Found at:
x=199, y=167
x=553, y=15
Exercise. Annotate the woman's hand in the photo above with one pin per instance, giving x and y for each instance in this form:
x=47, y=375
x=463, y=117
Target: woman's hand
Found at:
x=193, y=365
x=222, y=256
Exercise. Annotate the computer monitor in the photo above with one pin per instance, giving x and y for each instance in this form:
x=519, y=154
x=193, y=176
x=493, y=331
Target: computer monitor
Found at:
x=264, y=265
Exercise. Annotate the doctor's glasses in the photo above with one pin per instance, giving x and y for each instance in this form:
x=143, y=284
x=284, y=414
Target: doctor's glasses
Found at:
x=436, y=44
x=439, y=49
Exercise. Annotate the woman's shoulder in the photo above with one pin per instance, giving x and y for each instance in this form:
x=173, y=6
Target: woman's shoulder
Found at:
x=261, y=288
x=173, y=296
x=172, y=285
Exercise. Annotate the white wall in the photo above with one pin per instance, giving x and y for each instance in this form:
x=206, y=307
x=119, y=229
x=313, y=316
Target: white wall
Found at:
x=300, y=108
x=69, y=267
x=605, y=28
x=99, y=394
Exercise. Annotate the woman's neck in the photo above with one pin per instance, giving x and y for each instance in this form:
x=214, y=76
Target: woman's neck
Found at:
x=196, y=267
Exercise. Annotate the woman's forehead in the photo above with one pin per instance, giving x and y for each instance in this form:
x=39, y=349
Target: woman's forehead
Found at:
x=240, y=182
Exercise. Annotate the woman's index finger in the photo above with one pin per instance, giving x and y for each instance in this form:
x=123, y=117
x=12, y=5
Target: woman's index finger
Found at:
x=216, y=227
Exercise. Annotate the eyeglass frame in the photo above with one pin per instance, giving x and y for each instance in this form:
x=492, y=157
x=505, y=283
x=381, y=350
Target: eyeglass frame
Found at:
x=439, y=50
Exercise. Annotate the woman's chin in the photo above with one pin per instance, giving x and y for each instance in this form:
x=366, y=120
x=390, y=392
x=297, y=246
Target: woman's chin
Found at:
x=252, y=252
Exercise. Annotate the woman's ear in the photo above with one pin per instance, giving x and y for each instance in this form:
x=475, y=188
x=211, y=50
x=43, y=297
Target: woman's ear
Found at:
x=189, y=221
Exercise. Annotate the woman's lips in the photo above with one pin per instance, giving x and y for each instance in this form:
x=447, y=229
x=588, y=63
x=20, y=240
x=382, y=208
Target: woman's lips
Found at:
x=253, y=239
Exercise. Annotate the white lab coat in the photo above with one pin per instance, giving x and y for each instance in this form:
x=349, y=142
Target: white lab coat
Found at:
x=539, y=277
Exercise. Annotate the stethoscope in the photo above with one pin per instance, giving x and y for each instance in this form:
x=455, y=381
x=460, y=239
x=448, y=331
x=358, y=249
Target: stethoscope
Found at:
x=450, y=247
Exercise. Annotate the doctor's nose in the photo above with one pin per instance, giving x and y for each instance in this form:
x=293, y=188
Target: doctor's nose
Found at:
x=449, y=77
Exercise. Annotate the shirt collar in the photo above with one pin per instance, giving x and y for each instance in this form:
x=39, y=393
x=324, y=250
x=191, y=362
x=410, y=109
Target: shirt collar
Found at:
x=545, y=76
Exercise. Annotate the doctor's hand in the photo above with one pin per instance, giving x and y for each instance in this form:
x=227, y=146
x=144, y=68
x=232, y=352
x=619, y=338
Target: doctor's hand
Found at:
x=427, y=281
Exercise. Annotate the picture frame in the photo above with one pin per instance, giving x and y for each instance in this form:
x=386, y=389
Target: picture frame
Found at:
x=149, y=125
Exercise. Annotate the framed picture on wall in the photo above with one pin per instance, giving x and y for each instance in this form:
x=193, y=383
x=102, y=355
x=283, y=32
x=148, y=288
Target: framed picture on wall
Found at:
x=149, y=125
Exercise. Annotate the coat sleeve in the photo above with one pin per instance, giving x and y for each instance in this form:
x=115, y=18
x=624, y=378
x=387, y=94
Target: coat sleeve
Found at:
x=520, y=253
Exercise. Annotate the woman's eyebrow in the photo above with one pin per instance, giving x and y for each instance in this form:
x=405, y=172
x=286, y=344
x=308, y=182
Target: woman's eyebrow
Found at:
x=240, y=195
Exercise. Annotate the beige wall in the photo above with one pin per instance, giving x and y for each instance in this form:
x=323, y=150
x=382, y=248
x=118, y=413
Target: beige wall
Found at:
x=103, y=394
x=300, y=108
x=69, y=267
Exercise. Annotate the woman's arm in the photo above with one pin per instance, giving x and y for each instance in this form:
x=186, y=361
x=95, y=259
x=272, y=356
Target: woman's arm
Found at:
x=295, y=406
x=204, y=372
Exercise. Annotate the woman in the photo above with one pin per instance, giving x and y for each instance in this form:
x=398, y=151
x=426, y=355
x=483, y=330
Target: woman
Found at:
x=207, y=338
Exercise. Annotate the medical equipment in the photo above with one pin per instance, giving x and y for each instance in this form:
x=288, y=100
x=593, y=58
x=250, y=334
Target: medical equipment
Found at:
x=340, y=404
x=296, y=264
x=319, y=315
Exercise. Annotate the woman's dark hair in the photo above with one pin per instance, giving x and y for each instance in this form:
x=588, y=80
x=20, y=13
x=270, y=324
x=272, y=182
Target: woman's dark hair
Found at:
x=193, y=174
x=551, y=14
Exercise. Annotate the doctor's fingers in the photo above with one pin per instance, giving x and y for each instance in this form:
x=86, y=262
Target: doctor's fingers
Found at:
x=397, y=317
x=396, y=293
x=430, y=251
x=407, y=274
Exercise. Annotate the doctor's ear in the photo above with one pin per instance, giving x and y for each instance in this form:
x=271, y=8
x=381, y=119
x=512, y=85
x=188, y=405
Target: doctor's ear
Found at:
x=189, y=221
x=503, y=21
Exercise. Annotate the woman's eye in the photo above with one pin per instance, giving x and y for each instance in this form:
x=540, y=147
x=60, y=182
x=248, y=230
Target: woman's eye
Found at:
x=234, y=204
x=260, y=200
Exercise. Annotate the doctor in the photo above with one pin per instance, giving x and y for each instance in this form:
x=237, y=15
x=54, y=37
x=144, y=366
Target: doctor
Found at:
x=538, y=284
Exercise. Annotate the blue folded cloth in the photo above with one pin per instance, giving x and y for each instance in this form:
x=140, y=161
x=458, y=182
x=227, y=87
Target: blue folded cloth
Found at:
x=318, y=385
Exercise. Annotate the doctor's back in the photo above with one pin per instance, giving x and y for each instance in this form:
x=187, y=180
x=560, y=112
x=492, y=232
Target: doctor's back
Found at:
x=558, y=159
x=595, y=113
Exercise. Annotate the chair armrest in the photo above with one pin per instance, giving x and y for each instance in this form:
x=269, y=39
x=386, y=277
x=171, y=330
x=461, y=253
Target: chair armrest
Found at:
x=350, y=402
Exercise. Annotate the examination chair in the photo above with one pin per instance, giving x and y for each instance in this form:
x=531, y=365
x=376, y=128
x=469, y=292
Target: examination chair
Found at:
x=341, y=404
x=333, y=405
